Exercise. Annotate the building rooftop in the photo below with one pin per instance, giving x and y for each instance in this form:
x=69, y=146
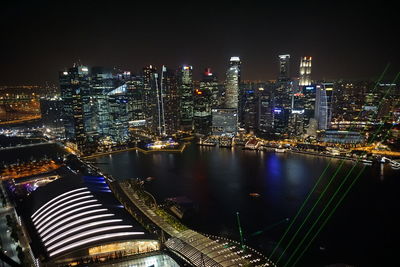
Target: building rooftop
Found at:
x=76, y=213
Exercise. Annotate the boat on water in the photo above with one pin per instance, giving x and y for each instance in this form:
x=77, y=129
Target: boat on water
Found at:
x=395, y=165
x=208, y=144
x=150, y=178
x=254, y=194
x=366, y=161
x=280, y=150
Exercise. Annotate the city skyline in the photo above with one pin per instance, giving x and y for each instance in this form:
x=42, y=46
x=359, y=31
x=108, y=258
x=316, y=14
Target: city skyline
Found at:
x=205, y=134
x=345, y=41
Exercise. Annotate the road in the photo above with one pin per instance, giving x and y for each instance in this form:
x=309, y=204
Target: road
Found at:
x=8, y=243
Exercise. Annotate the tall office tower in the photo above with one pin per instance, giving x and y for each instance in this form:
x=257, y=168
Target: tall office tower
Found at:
x=305, y=71
x=309, y=93
x=202, y=112
x=75, y=93
x=296, y=116
x=209, y=82
x=185, y=91
x=323, y=105
x=102, y=83
x=110, y=103
x=284, y=63
x=224, y=122
x=232, y=83
x=136, y=102
x=265, y=112
x=51, y=110
x=170, y=101
x=248, y=105
x=151, y=99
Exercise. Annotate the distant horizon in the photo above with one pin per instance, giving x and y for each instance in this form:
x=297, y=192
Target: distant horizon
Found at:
x=197, y=72
x=347, y=40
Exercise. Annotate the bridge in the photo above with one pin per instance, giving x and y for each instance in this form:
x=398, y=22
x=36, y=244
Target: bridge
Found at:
x=195, y=248
x=393, y=163
x=27, y=145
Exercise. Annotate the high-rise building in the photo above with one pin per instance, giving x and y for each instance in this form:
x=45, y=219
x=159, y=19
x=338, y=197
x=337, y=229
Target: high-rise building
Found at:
x=309, y=93
x=296, y=116
x=224, y=122
x=136, y=95
x=170, y=101
x=102, y=82
x=284, y=64
x=118, y=113
x=265, y=114
x=202, y=112
x=210, y=83
x=151, y=98
x=110, y=102
x=75, y=93
x=323, y=105
x=248, y=105
x=305, y=71
x=51, y=110
x=232, y=83
x=185, y=91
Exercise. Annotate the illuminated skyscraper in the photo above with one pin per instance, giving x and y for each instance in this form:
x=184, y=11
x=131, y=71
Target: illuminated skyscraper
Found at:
x=323, y=105
x=305, y=71
x=170, y=101
x=150, y=84
x=210, y=83
x=284, y=63
x=75, y=93
x=224, y=122
x=185, y=91
x=232, y=83
x=202, y=112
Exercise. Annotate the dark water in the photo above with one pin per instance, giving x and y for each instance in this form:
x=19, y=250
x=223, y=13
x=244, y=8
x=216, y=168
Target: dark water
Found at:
x=361, y=232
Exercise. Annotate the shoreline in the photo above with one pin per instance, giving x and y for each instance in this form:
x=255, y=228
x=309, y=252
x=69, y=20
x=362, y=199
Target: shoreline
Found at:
x=177, y=150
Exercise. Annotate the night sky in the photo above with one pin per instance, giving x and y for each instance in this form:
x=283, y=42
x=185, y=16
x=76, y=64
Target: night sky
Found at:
x=350, y=41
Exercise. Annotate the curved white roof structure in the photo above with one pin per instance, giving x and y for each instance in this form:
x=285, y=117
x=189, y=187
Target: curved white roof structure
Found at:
x=78, y=219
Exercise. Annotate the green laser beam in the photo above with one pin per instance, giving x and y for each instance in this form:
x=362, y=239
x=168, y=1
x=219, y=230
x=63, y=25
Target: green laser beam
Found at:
x=240, y=230
x=269, y=227
x=323, y=211
x=333, y=210
x=342, y=183
x=312, y=209
x=327, y=186
x=318, y=181
x=301, y=209
x=329, y=216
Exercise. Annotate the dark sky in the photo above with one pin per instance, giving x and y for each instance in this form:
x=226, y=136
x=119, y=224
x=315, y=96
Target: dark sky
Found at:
x=347, y=40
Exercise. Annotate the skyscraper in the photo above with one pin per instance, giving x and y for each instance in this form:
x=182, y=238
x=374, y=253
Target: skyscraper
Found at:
x=75, y=93
x=210, y=83
x=265, y=114
x=305, y=71
x=185, y=91
x=323, y=105
x=136, y=95
x=284, y=63
x=150, y=89
x=202, y=112
x=309, y=93
x=170, y=101
x=232, y=83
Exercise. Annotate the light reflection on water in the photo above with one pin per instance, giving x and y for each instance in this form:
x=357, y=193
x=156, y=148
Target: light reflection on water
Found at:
x=219, y=181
